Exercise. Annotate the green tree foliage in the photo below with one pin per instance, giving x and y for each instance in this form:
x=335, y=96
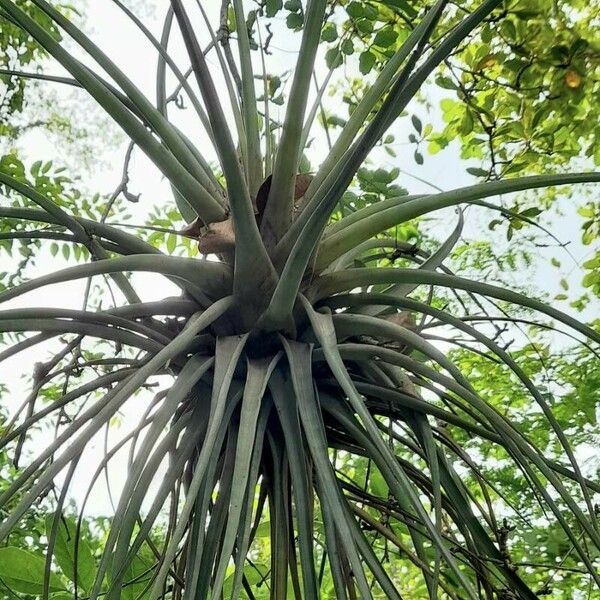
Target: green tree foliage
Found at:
x=31, y=101
x=519, y=93
x=520, y=89
x=18, y=53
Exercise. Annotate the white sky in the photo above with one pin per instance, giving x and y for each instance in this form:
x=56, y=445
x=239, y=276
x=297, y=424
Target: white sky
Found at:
x=127, y=47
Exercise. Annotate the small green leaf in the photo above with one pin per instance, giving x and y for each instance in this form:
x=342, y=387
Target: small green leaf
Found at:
x=35, y=168
x=446, y=83
x=531, y=212
x=370, y=11
x=477, y=172
x=385, y=37
x=231, y=19
x=273, y=7
x=333, y=58
x=329, y=33
x=356, y=10
x=295, y=21
x=364, y=25
x=366, y=62
x=467, y=123
x=417, y=123
x=171, y=243
x=586, y=211
x=508, y=29
x=347, y=46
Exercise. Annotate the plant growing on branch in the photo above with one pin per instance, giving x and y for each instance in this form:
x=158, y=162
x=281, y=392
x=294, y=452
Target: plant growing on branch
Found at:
x=287, y=359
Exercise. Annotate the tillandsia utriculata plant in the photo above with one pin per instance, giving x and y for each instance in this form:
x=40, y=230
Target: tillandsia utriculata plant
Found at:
x=284, y=355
